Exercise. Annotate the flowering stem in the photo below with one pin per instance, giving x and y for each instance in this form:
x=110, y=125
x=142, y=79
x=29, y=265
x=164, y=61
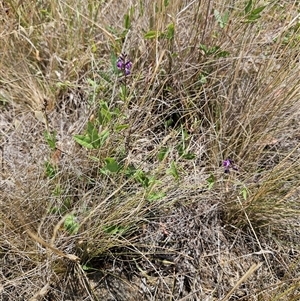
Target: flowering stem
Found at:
x=124, y=65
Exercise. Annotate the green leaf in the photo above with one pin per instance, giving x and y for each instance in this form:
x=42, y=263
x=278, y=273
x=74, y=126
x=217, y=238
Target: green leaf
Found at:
x=248, y=7
x=113, y=60
x=115, y=230
x=225, y=18
x=170, y=31
x=142, y=178
x=124, y=92
x=188, y=156
x=173, y=171
x=203, y=48
x=96, y=159
x=217, y=16
x=54, y=210
x=163, y=152
x=94, y=47
x=154, y=196
x=112, y=165
x=93, y=135
x=202, y=78
x=57, y=190
x=103, y=137
x=252, y=18
x=104, y=114
x=258, y=10
x=84, y=141
x=71, y=224
x=244, y=193
x=86, y=267
x=211, y=181
x=130, y=171
x=180, y=149
x=142, y=7
x=223, y=53
x=184, y=134
x=106, y=76
x=51, y=139
x=222, y=20
x=152, y=34
x=120, y=127
x=127, y=21
x=255, y=14
x=50, y=170
x=92, y=83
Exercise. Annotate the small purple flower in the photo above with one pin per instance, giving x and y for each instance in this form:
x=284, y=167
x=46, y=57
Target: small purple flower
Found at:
x=123, y=64
x=228, y=164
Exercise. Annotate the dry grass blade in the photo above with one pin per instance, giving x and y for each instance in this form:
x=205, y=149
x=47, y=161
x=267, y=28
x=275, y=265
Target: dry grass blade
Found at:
x=149, y=150
x=252, y=269
x=53, y=249
x=41, y=294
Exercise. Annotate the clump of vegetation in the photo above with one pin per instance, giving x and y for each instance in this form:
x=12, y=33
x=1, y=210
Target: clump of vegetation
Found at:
x=149, y=150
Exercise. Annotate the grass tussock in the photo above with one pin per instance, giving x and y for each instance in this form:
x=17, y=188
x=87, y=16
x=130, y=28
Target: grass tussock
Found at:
x=149, y=150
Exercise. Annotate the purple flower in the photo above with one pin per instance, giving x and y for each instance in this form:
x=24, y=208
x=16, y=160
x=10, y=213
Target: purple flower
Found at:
x=123, y=64
x=229, y=164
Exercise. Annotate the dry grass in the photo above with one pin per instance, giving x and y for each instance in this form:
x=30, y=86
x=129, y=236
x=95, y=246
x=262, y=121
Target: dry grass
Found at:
x=148, y=213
